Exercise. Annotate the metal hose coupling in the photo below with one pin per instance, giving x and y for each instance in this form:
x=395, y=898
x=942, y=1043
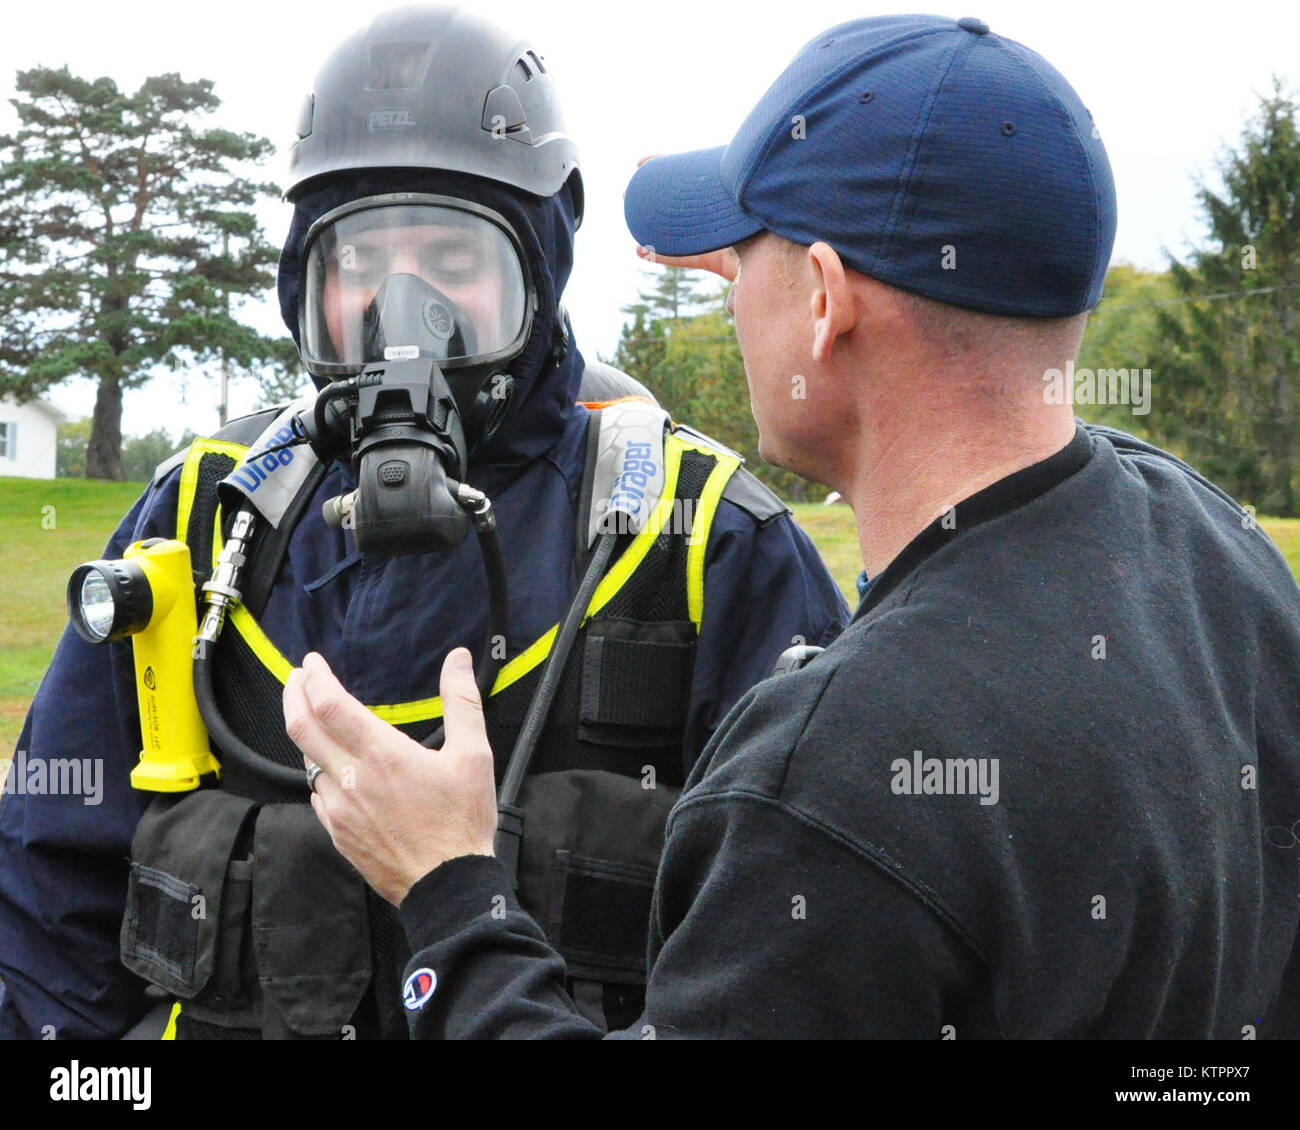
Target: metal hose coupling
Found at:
x=338, y=512
x=223, y=588
x=478, y=506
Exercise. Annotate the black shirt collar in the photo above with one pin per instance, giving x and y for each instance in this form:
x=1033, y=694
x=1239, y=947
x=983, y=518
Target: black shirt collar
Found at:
x=993, y=501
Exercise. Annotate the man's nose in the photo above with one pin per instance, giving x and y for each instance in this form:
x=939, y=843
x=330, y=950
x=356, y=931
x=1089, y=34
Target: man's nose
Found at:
x=405, y=262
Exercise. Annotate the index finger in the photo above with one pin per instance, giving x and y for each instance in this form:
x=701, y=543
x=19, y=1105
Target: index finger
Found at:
x=322, y=719
x=722, y=262
x=305, y=729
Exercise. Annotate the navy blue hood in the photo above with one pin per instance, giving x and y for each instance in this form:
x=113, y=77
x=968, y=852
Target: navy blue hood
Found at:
x=545, y=391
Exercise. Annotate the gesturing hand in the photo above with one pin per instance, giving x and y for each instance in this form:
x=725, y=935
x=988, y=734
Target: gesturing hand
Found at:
x=721, y=262
x=394, y=809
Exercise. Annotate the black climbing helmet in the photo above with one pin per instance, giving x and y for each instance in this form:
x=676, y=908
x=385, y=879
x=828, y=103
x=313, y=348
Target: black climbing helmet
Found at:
x=436, y=87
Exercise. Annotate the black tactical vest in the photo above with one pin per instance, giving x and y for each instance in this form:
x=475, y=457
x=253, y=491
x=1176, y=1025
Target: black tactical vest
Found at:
x=240, y=908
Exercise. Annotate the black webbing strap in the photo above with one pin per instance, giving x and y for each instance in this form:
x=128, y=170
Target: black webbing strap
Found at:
x=270, y=543
x=213, y=467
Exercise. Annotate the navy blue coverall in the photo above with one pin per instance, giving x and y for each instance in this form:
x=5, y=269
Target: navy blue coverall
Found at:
x=384, y=626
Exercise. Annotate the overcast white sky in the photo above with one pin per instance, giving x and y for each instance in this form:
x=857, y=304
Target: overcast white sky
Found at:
x=1168, y=84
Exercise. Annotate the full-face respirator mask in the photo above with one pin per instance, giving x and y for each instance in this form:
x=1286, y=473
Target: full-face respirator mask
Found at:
x=413, y=306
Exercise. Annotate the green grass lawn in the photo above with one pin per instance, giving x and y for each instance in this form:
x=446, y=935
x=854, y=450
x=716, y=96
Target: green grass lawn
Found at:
x=37, y=560
x=835, y=535
x=1286, y=532
x=40, y=548
x=833, y=532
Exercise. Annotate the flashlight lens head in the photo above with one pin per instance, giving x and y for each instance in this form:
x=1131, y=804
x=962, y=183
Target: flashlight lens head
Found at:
x=97, y=607
x=108, y=600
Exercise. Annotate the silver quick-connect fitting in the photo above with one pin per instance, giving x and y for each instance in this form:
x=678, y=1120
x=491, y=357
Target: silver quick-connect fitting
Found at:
x=223, y=588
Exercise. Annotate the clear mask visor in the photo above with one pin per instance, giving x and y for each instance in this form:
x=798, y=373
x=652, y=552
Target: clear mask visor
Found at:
x=399, y=281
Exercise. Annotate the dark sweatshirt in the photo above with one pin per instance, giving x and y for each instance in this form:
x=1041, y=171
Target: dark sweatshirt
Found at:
x=1047, y=784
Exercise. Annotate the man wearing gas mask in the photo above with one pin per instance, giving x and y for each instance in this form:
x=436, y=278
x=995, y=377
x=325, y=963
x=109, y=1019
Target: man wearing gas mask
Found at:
x=620, y=583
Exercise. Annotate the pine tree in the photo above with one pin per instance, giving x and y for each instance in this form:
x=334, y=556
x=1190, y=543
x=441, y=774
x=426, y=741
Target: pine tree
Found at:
x=125, y=232
x=667, y=301
x=675, y=293
x=1228, y=392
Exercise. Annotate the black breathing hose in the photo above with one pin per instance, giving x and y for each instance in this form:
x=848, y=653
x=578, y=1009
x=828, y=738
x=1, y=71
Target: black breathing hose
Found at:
x=232, y=748
x=334, y=391
x=494, y=565
x=295, y=780
x=510, y=817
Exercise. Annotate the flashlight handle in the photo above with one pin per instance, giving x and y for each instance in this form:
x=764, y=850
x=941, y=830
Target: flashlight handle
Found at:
x=176, y=752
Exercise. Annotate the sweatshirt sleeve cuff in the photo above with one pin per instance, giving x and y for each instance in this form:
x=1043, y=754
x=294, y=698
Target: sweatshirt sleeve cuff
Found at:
x=452, y=895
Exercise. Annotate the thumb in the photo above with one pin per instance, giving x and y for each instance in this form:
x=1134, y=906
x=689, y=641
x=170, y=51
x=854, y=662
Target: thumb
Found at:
x=461, y=705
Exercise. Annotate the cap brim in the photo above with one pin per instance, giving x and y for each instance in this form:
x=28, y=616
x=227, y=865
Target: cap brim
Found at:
x=678, y=205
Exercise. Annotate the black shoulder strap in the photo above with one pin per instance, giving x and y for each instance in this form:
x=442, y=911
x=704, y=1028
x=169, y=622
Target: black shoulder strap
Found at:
x=755, y=499
x=270, y=543
x=245, y=429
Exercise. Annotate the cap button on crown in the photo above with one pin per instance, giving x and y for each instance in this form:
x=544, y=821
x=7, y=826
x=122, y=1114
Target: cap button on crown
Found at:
x=971, y=24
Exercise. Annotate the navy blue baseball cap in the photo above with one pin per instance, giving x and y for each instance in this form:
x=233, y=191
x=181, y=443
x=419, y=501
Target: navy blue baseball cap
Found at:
x=931, y=154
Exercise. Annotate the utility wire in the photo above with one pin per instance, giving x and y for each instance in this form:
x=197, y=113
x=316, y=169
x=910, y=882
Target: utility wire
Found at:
x=1203, y=297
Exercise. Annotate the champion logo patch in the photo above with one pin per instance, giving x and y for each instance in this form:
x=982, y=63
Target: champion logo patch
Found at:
x=419, y=988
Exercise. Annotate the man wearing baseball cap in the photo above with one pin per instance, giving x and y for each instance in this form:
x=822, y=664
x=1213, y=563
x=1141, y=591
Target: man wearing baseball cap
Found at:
x=1047, y=783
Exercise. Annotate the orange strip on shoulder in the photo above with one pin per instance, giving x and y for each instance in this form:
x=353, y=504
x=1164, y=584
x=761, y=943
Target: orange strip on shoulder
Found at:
x=596, y=405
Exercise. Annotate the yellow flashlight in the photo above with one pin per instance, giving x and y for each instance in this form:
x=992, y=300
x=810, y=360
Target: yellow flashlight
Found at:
x=149, y=595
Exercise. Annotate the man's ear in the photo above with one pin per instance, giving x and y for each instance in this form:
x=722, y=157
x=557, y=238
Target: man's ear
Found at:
x=834, y=311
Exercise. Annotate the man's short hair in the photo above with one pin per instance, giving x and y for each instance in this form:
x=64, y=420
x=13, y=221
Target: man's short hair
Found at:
x=955, y=331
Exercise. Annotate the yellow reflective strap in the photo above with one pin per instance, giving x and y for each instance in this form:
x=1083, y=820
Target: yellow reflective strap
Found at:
x=537, y=652
x=705, y=510
x=657, y=522
x=421, y=710
x=190, y=476
x=271, y=657
x=242, y=620
x=169, y=1033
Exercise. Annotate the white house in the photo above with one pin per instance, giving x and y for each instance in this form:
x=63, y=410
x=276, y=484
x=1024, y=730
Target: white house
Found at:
x=28, y=438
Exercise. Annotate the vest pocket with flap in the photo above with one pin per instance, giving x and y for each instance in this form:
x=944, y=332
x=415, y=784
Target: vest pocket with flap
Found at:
x=247, y=913
x=587, y=866
x=187, y=886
